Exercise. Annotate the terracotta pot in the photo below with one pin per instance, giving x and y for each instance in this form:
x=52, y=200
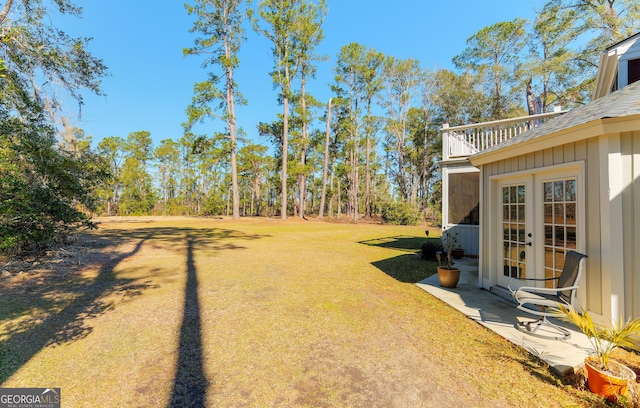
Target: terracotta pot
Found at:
x=448, y=276
x=607, y=385
x=457, y=253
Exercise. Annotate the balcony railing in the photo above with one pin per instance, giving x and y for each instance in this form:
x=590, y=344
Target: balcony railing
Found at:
x=463, y=141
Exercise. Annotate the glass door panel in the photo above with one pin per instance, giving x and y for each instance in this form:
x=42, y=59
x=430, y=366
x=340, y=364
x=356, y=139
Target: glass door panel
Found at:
x=514, y=236
x=559, y=224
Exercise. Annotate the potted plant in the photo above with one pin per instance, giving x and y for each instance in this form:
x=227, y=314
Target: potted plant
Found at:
x=606, y=376
x=448, y=274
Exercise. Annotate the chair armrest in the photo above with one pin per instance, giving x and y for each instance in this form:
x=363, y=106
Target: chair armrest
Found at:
x=513, y=290
x=550, y=291
x=540, y=279
x=529, y=295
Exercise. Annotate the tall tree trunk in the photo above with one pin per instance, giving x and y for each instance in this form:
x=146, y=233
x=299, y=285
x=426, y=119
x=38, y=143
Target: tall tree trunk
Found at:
x=325, y=166
x=425, y=168
x=402, y=177
x=353, y=187
x=256, y=194
x=414, y=186
x=244, y=203
x=231, y=122
x=367, y=165
x=530, y=99
x=356, y=179
x=5, y=11
x=302, y=179
x=333, y=192
x=285, y=152
x=339, y=199
x=351, y=183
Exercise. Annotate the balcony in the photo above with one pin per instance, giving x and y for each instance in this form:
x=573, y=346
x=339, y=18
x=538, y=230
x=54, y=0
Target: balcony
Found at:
x=460, y=142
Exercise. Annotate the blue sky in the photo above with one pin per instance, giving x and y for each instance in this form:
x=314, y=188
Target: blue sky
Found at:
x=151, y=83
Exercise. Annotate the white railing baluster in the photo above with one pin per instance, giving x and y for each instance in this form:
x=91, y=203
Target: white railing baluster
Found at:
x=463, y=141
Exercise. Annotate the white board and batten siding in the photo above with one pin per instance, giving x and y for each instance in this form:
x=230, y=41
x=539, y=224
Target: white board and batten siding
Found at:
x=609, y=166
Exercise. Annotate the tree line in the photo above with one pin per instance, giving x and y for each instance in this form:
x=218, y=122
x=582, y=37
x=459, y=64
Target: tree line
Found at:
x=371, y=149
x=380, y=142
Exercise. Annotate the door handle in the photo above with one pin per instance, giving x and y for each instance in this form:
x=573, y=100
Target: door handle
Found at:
x=529, y=243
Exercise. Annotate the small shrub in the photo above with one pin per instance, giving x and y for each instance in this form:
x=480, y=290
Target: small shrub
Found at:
x=429, y=249
x=399, y=213
x=9, y=245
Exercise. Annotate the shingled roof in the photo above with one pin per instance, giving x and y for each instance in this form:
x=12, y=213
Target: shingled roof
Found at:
x=624, y=102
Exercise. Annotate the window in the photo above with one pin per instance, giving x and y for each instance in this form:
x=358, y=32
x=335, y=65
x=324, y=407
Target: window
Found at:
x=464, y=198
x=633, y=67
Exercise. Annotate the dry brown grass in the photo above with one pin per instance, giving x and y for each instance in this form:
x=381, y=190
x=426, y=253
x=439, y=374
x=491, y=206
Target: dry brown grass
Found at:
x=203, y=312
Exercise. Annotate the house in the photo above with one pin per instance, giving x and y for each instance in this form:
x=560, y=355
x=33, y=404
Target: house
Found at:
x=548, y=184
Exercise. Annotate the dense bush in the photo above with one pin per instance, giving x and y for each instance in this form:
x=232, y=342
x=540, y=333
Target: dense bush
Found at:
x=399, y=213
x=429, y=249
x=215, y=204
x=42, y=187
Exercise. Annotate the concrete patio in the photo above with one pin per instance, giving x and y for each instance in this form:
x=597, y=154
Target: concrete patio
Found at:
x=499, y=314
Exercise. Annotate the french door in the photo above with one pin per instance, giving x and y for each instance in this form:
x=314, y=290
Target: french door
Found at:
x=516, y=223
x=538, y=225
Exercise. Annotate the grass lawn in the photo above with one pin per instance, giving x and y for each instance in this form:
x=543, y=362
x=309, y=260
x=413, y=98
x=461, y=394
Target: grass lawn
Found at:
x=204, y=312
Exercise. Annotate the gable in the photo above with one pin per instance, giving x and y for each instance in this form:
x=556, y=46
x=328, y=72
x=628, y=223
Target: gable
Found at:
x=619, y=66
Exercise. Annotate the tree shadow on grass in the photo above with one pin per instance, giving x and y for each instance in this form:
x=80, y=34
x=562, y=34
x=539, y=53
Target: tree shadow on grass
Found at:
x=205, y=238
x=399, y=242
x=66, y=300
x=21, y=342
x=407, y=268
x=190, y=383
